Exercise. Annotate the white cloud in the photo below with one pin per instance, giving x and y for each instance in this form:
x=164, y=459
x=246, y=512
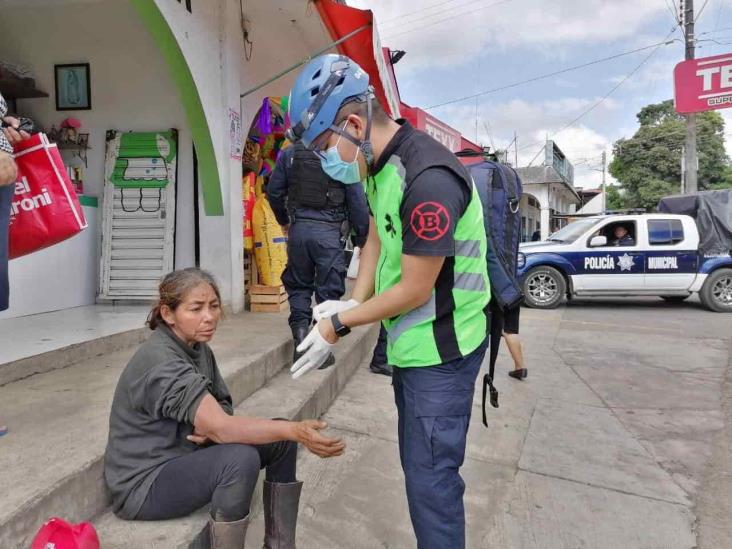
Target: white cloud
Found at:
x=533, y=122
x=544, y=26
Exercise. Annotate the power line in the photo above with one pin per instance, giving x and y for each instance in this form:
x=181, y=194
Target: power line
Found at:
x=392, y=36
x=609, y=93
x=549, y=75
x=673, y=10
x=698, y=15
x=409, y=13
x=719, y=15
x=423, y=17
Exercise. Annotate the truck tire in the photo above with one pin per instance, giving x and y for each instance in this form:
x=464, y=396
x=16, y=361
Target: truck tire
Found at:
x=544, y=287
x=716, y=294
x=675, y=298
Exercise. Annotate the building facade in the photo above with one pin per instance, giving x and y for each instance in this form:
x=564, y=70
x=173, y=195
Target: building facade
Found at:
x=549, y=194
x=153, y=66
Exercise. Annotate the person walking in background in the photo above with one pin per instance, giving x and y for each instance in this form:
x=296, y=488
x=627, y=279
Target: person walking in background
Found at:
x=313, y=210
x=510, y=334
x=8, y=175
x=379, y=361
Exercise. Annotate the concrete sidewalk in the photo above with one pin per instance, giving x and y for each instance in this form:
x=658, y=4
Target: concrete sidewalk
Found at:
x=609, y=443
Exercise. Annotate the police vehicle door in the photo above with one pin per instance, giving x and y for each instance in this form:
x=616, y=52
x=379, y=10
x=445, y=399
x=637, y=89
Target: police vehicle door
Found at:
x=671, y=254
x=608, y=268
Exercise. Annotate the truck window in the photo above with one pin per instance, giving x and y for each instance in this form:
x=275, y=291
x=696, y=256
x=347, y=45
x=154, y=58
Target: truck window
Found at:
x=573, y=231
x=618, y=233
x=664, y=232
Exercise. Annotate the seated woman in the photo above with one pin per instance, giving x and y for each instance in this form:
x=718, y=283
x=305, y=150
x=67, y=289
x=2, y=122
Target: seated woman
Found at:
x=174, y=443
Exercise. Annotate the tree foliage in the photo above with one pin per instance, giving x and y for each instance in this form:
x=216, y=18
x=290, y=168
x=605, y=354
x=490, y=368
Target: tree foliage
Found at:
x=648, y=165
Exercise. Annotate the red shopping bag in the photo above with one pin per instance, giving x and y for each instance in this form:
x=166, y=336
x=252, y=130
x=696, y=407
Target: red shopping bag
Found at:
x=45, y=209
x=59, y=534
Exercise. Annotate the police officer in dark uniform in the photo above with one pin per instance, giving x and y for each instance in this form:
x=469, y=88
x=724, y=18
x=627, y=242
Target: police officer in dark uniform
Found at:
x=315, y=211
x=622, y=236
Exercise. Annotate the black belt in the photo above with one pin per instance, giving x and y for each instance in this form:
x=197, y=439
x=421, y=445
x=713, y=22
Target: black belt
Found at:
x=296, y=219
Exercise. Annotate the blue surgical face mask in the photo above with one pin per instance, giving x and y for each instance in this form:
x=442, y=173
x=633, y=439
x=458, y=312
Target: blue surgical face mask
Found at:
x=337, y=168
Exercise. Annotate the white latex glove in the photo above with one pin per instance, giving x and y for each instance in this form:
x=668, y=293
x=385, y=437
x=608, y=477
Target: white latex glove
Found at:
x=315, y=348
x=329, y=308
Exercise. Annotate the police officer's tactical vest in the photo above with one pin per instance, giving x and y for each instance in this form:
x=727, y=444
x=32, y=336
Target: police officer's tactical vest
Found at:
x=310, y=187
x=453, y=322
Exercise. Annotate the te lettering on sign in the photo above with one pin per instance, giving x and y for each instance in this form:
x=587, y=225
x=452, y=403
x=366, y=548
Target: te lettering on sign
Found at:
x=703, y=84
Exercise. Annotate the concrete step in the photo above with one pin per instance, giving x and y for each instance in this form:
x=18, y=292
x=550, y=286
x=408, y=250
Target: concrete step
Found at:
x=308, y=397
x=51, y=458
x=40, y=343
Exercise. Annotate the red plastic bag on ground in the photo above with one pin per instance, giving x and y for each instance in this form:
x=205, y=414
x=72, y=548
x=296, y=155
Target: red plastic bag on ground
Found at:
x=45, y=209
x=59, y=534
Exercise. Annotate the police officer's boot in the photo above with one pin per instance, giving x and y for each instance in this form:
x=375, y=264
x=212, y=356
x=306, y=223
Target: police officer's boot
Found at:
x=281, y=502
x=299, y=332
x=328, y=362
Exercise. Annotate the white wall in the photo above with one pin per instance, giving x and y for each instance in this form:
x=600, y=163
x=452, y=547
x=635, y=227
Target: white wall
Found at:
x=49, y=279
x=594, y=206
x=213, y=55
x=130, y=90
x=283, y=33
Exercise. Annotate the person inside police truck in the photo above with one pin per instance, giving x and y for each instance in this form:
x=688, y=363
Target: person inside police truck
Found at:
x=622, y=236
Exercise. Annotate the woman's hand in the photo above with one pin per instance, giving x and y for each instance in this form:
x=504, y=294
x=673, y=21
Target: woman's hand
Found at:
x=8, y=169
x=307, y=433
x=199, y=439
x=11, y=133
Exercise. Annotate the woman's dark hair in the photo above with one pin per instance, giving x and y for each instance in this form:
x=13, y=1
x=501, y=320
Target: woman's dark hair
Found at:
x=173, y=290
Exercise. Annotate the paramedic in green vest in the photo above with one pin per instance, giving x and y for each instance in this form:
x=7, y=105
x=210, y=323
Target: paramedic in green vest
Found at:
x=422, y=274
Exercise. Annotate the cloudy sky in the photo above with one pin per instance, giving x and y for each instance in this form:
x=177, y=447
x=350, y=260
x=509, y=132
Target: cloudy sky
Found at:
x=458, y=48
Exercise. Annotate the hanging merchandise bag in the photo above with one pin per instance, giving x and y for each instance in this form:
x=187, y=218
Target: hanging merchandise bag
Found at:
x=59, y=534
x=45, y=209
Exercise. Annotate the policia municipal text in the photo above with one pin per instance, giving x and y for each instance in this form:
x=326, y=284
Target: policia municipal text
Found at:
x=424, y=260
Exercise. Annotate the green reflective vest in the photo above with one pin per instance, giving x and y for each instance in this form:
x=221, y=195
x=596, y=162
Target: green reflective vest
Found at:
x=453, y=322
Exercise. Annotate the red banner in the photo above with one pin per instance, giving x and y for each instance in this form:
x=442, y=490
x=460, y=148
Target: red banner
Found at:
x=703, y=84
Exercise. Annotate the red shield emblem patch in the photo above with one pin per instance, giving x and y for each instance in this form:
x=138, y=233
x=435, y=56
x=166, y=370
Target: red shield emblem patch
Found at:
x=430, y=220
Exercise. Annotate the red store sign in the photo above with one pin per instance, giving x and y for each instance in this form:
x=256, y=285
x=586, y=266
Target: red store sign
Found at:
x=424, y=121
x=703, y=84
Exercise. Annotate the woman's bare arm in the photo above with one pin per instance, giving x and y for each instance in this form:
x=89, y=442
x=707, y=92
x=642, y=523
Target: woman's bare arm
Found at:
x=213, y=423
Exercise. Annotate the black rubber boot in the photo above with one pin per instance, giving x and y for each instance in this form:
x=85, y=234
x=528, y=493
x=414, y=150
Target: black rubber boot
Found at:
x=328, y=362
x=299, y=332
x=383, y=369
x=281, y=502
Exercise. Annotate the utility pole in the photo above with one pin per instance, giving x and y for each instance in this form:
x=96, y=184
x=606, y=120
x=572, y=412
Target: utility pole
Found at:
x=604, y=194
x=515, y=145
x=690, y=154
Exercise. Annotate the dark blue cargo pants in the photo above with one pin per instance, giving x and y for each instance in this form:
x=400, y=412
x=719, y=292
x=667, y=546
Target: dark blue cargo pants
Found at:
x=316, y=264
x=434, y=405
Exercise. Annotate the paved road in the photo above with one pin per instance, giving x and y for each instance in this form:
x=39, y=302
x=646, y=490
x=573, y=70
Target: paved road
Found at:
x=621, y=437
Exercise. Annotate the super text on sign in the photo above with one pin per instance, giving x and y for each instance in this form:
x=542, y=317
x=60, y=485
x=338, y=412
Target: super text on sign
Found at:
x=703, y=84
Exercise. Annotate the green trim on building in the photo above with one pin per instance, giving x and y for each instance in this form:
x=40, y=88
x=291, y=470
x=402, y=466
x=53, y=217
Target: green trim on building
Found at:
x=184, y=81
x=91, y=201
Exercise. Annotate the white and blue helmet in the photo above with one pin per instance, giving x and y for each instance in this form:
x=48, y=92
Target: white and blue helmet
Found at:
x=323, y=86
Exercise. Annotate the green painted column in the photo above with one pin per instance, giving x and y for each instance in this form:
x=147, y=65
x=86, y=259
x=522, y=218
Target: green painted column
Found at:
x=188, y=92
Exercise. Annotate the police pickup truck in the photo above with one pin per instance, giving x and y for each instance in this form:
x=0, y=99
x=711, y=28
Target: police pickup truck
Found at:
x=626, y=255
